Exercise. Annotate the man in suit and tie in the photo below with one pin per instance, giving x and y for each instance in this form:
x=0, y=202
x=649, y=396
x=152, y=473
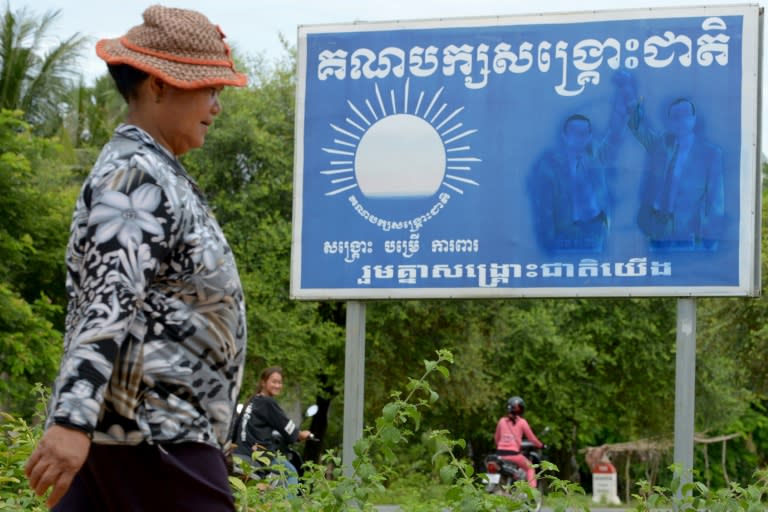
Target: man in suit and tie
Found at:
x=569, y=188
x=682, y=201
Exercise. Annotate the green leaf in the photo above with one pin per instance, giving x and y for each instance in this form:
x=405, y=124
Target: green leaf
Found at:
x=444, y=371
x=390, y=435
x=448, y=474
x=389, y=411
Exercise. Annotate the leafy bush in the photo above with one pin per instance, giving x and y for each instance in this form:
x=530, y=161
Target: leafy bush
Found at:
x=379, y=476
x=377, y=464
x=17, y=440
x=694, y=496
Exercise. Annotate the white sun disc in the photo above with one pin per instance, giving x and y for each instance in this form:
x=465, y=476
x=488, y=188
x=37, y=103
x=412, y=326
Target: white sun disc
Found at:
x=400, y=155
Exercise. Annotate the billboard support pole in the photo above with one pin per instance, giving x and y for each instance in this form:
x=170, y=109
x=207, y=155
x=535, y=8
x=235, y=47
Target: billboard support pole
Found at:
x=685, y=387
x=354, y=382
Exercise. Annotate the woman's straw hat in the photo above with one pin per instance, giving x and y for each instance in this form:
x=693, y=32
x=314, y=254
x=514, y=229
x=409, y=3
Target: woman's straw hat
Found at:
x=180, y=46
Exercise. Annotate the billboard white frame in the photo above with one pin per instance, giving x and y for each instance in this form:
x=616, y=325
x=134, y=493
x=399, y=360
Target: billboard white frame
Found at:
x=747, y=284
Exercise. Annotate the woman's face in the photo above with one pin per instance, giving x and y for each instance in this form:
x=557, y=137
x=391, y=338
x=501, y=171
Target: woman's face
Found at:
x=184, y=116
x=273, y=386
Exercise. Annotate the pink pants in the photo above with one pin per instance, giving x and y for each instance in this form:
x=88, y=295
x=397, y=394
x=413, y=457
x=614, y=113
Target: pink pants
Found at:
x=523, y=462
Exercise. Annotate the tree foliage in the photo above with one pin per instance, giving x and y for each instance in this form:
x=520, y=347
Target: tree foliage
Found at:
x=34, y=220
x=33, y=79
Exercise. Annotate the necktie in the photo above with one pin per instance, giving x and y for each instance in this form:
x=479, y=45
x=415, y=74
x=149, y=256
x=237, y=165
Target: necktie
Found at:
x=669, y=191
x=583, y=197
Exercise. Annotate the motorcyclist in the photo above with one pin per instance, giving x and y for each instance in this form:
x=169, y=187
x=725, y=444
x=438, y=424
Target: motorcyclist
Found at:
x=260, y=417
x=510, y=432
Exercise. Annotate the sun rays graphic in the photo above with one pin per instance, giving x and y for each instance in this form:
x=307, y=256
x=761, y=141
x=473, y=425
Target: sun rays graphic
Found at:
x=388, y=148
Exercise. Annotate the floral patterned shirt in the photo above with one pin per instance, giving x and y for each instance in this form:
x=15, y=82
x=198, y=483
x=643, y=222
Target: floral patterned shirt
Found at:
x=155, y=330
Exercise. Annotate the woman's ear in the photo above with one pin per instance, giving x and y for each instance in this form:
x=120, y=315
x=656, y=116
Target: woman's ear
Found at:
x=157, y=88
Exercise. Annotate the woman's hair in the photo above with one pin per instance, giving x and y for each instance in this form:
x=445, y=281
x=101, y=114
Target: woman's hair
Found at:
x=266, y=374
x=127, y=79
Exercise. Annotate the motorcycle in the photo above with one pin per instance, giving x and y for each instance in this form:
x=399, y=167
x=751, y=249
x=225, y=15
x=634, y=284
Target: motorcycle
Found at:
x=501, y=474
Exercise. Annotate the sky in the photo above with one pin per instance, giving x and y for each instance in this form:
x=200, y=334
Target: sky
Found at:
x=255, y=27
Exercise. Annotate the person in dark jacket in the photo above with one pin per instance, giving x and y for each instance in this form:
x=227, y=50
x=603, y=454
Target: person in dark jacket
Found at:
x=261, y=417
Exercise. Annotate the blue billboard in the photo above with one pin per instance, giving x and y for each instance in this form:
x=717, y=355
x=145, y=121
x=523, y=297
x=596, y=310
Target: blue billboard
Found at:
x=578, y=154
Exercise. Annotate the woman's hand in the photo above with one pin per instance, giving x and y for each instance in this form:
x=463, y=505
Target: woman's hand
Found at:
x=56, y=460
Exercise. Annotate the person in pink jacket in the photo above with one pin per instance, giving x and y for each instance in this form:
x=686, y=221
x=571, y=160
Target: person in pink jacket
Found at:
x=510, y=432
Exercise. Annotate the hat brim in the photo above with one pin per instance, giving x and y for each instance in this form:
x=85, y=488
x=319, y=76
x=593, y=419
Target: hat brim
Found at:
x=177, y=74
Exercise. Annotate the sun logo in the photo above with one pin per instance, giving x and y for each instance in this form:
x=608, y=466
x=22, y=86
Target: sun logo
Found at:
x=406, y=152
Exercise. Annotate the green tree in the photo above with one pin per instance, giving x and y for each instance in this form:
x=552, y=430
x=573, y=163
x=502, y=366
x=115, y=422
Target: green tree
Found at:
x=583, y=365
x=96, y=111
x=34, y=219
x=734, y=332
x=91, y=114
x=89, y=118
x=34, y=79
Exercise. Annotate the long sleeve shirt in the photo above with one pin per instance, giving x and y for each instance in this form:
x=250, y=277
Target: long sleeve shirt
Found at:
x=155, y=330
x=509, y=436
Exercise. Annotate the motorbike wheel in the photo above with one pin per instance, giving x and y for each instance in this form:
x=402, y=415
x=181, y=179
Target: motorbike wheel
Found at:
x=521, y=497
x=537, y=506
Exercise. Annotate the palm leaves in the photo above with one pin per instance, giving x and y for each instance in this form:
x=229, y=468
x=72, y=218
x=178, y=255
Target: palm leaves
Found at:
x=94, y=112
x=35, y=76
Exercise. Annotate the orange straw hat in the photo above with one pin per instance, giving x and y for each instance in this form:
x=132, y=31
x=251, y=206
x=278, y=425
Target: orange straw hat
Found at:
x=180, y=46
